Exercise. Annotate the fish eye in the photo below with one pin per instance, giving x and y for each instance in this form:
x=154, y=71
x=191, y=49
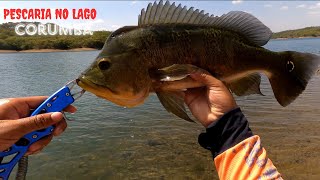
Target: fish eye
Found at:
x=104, y=65
x=290, y=66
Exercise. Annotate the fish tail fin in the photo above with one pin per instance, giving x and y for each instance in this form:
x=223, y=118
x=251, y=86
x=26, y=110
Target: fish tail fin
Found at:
x=292, y=76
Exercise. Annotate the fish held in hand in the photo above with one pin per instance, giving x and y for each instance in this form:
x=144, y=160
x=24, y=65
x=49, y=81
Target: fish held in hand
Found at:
x=170, y=42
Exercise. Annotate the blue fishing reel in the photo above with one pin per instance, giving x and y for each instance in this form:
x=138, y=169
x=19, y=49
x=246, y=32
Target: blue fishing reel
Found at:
x=55, y=103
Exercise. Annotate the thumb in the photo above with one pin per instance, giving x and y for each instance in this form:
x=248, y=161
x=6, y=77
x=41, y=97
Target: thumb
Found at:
x=39, y=121
x=206, y=79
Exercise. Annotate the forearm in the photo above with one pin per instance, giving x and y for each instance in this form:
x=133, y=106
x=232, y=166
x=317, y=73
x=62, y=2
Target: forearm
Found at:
x=237, y=153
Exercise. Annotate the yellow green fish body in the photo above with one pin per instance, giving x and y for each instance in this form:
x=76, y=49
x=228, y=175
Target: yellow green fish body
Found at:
x=170, y=42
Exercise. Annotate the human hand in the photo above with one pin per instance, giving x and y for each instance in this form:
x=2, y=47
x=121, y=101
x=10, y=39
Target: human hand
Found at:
x=15, y=123
x=211, y=102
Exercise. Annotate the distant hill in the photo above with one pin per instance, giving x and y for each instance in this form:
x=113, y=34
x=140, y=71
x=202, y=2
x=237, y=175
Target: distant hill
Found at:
x=298, y=33
x=10, y=41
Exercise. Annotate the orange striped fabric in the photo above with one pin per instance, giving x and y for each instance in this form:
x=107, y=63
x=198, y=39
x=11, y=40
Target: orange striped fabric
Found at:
x=246, y=160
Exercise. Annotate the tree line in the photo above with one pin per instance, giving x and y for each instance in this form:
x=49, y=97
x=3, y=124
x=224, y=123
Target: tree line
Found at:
x=298, y=33
x=10, y=41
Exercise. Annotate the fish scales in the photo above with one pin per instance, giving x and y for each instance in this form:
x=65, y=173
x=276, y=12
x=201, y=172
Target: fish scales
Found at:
x=170, y=43
x=196, y=45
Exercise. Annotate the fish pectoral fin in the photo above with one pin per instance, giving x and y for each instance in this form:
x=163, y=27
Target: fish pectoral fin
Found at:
x=178, y=85
x=174, y=72
x=247, y=85
x=174, y=102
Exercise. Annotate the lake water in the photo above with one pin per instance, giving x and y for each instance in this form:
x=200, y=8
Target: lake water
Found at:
x=110, y=142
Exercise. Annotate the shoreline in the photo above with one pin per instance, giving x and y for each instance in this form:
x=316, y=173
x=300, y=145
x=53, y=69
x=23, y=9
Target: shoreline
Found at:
x=48, y=50
x=93, y=49
x=307, y=37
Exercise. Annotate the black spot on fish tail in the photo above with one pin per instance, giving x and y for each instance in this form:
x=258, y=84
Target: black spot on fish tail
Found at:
x=291, y=79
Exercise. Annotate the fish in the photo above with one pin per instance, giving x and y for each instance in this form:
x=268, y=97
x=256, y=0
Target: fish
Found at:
x=171, y=42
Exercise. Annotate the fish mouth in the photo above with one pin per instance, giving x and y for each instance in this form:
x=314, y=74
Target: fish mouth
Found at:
x=86, y=83
x=120, y=98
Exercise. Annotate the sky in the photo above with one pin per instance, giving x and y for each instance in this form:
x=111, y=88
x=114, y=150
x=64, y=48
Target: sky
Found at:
x=277, y=15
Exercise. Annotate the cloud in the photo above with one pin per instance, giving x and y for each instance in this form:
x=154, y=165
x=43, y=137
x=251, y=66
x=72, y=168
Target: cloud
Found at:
x=133, y=2
x=301, y=6
x=95, y=25
x=313, y=13
x=237, y=2
x=268, y=5
x=315, y=10
x=316, y=6
x=114, y=27
x=98, y=24
x=284, y=8
x=98, y=21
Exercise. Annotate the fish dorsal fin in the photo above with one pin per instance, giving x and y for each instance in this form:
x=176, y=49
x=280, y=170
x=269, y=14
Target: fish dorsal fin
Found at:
x=245, y=24
x=241, y=22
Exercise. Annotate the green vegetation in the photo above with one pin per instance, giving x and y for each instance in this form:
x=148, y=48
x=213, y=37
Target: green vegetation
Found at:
x=298, y=33
x=10, y=41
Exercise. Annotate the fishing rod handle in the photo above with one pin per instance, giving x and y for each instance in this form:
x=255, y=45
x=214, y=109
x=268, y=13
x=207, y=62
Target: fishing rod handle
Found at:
x=55, y=103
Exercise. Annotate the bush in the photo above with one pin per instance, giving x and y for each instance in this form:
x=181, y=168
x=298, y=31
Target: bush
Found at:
x=94, y=43
x=4, y=45
x=61, y=44
x=15, y=43
x=10, y=41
